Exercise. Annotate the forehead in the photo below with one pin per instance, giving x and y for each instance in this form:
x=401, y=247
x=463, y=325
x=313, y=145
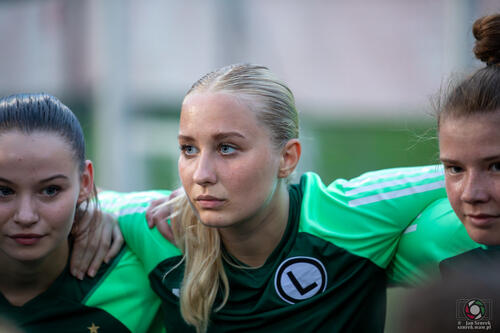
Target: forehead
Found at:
x=34, y=153
x=27, y=140
x=470, y=136
x=219, y=111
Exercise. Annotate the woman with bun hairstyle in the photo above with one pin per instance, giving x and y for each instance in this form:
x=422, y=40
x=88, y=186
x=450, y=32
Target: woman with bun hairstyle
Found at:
x=46, y=191
x=469, y=144
x=255, y=253
x=469, y=139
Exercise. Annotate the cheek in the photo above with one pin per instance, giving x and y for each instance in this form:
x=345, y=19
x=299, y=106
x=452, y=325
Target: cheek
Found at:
x=254, y=177
x=453, y=190
x=496, y=190
x=7, y=210
x=61, y=214
x=184, y=171
x=450, y=189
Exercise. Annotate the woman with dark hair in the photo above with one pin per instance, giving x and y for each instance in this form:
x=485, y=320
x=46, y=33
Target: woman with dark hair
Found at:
x=46, y=189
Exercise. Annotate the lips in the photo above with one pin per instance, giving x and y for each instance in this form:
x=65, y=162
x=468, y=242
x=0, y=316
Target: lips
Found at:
x=482, y=220
x=27, y=239
x=209, y=202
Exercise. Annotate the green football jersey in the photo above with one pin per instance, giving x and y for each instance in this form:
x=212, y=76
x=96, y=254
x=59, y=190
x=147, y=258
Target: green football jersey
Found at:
x=328, y=272
x=118, y=299
x=435, y=235
x=130, y=209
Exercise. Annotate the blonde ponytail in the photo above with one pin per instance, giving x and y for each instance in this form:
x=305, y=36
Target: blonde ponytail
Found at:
x=204, y=274
x=204, y=270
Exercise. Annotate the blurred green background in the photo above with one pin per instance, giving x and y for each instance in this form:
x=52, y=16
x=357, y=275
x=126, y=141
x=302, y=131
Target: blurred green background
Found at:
x=124, y=66
x=333, y=148
x=347, y=148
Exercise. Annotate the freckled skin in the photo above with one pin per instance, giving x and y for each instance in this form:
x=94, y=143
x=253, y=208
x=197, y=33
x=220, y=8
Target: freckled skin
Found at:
x=470, y=151
x=245, y=178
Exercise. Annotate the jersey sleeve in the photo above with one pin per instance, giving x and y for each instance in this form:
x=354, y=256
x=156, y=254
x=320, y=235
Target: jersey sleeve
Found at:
x=125, y=293
x=367, y=215
x=435, y=235
x=130, y=209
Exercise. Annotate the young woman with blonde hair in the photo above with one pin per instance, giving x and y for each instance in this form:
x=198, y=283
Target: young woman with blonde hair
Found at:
x=253, y=253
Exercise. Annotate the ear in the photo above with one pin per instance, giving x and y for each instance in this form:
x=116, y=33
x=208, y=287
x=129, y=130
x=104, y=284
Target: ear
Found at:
x=86, y=181
x=290, y=156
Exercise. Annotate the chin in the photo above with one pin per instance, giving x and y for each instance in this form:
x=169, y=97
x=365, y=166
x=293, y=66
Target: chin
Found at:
x=27, y=256
x=212, y=220
x=485, y=237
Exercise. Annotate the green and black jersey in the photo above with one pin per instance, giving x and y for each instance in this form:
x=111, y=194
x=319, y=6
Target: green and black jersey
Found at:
x=307, y=284
x=118, y=299
x=328, y=272
x=434, y=236
x=130, y=209
x=448, y=248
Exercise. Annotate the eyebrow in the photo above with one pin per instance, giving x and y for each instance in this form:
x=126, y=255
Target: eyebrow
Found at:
x=228, y=135
x=491, y=158
x=5, y=180
x=185, y=137
x=485, y=159
x=218, y=136
x=46, y=180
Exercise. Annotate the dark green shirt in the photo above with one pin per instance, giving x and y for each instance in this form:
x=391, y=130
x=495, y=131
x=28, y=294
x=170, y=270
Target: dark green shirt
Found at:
x=328, y=272
x=105, y=303
x=307, y=285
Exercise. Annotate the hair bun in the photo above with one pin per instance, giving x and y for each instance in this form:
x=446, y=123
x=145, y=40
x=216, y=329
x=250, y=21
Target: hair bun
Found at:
x=486, y=30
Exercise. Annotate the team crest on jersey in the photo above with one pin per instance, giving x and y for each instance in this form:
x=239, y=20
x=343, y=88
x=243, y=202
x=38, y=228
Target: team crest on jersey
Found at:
x=299, y=278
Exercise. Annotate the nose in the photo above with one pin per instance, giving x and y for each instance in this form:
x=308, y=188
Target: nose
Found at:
x=205, y=170
x=26, y=213
x=475, y=188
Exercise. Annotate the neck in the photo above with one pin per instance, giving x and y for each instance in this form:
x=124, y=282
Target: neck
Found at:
x=22, y=281
x=253, y=241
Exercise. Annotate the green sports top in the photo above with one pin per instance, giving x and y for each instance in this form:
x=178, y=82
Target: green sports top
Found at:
x=118, y=299
x=435, y=235
x=328, y=272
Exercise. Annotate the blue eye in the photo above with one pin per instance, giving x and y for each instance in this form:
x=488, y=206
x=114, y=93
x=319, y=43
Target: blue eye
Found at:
x=189, y=150
x=226, y=149
x=51, y=190
x=452, y=169
x=6, y=191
